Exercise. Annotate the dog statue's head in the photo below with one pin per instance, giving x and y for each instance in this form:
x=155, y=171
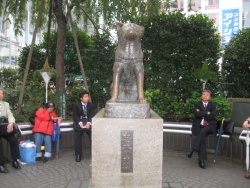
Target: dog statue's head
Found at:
x=129, y=31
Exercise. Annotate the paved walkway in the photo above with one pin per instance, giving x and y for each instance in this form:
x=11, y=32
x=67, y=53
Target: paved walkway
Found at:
x=178, y=172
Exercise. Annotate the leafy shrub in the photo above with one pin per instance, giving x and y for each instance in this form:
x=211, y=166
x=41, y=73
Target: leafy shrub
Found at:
x=172, y=108
x=222, y=104
x=236, y=65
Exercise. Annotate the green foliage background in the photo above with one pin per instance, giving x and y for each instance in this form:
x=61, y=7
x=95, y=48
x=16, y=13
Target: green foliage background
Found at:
x=98, y=57
x=178, y=45
x=171, y=109
x=236, y=65
x=179, y=50
x=175, y=47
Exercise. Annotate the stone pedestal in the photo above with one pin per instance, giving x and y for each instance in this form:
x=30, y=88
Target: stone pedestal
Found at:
x=127, y=110
x=127, y=152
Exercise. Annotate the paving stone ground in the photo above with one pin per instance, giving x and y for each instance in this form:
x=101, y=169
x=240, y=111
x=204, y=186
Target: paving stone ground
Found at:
x=178, y=172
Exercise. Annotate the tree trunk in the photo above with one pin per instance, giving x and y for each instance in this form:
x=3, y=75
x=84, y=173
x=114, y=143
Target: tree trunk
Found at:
x=60, y=46
x=26, y=71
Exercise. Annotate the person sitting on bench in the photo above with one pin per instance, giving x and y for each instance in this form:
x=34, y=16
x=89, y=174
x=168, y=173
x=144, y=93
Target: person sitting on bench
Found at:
x=246, y=124
x=82, y=115
x=204, y=124
x=8, y=134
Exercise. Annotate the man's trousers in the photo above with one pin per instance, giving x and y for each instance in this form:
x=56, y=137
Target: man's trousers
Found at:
x=199, y=143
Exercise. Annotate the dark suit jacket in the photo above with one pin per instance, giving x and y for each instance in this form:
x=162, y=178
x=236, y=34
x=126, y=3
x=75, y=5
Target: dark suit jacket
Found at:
x=200, y=113
x=78, y=112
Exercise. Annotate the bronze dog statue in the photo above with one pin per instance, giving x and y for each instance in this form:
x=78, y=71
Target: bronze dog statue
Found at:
x=128, y=70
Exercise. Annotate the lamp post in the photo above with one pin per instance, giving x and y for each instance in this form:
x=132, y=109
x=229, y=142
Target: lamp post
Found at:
x=46, y=77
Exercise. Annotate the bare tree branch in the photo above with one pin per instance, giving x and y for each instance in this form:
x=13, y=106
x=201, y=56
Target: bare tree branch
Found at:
x=90, y=19
x=78, y=51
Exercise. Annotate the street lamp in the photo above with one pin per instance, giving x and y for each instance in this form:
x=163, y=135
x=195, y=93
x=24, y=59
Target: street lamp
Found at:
x=46, y=77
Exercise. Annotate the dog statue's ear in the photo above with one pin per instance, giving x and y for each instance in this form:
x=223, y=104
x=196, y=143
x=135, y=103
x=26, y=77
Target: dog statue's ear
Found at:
x=119, y=25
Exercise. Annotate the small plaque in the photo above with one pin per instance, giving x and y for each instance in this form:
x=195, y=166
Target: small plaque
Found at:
x=127, y=151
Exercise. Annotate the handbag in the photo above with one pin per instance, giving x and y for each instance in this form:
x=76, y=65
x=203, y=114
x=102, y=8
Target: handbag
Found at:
x=228, y=127
x=3, y=128
x=27, y=152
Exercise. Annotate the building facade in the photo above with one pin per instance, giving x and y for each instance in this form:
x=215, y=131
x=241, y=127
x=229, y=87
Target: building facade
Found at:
x=11, y=45
x=229, y=16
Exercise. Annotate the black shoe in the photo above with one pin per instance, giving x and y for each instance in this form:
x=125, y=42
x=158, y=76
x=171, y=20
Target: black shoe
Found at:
x=46, y=159
x=15, y=164
x=202, y=164
x=3, y=169
x=78, y=158
x=189, y=153
x=38, y=159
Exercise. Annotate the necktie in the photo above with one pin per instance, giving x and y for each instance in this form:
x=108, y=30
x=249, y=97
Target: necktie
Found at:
x=84, y=106
x=205, y=108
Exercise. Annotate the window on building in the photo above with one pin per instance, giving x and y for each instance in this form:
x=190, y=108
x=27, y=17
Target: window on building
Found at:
x=193, y=5
x=211, y=4
x=246, y=14
x=176, y=5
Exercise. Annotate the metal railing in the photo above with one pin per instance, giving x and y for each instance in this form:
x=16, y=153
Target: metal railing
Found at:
x=186, y=129
x=170, y=129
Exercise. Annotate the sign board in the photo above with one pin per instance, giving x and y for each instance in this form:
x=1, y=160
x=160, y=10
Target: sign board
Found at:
x=62, y=105
x=230, y=19
x=230, y=25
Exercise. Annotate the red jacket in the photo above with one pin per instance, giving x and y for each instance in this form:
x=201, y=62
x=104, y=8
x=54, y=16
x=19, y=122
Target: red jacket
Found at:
x=43, y=123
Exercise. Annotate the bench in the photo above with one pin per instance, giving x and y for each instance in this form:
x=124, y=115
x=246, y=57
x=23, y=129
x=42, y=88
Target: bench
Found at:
x=186, y=129
x=67, y=126
x=26, y=129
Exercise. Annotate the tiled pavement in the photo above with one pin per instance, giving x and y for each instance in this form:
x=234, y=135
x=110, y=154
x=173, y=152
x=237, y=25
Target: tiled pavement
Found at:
x=178, y=172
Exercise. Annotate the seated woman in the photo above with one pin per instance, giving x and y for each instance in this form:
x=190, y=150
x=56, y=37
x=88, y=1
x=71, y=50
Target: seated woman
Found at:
x=246, y=124
x=43, y=128
x=7, y=135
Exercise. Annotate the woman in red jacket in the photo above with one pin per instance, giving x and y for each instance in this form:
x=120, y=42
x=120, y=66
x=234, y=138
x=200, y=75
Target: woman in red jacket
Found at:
x=43, y=128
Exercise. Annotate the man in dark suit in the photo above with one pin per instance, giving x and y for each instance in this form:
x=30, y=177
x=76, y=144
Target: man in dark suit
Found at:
x=82, y=116
x=204, y=124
